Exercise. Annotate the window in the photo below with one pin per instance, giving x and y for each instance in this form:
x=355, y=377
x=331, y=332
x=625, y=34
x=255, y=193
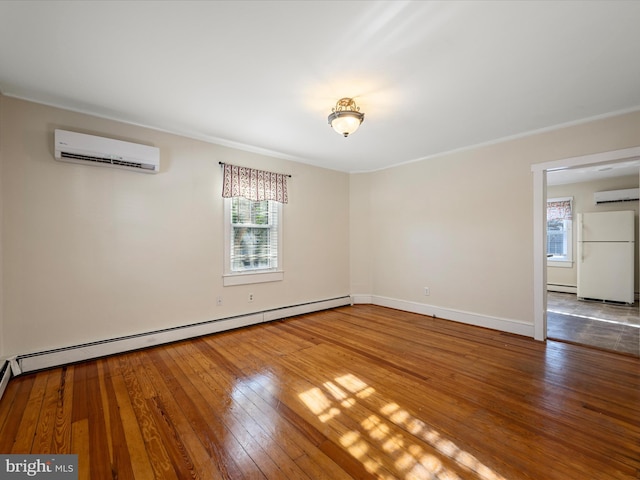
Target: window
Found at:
x=559, y=232
x=252, y=246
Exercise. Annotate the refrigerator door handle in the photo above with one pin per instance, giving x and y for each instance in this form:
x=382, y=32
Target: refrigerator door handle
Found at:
x=579, y=240
x=579, y=227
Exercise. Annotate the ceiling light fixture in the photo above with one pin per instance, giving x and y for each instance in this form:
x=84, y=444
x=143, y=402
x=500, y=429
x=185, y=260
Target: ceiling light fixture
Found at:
x=345, y=117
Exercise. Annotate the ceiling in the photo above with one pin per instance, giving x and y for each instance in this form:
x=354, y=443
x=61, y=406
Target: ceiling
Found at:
x=595, y=172
x=430, y=76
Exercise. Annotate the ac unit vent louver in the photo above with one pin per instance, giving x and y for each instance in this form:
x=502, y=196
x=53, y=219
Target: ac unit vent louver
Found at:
x=111, y=161
x=91, y=150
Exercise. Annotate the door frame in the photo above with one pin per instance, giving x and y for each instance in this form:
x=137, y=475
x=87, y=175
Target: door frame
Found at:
x=539, y=171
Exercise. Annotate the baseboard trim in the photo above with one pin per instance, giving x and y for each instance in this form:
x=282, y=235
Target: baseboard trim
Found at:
x=495, y=323
x=77, y=353
x=362, y=298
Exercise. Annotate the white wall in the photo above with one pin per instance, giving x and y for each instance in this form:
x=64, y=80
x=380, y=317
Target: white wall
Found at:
x=582, y=194
x=462, y=224
x=94, y=253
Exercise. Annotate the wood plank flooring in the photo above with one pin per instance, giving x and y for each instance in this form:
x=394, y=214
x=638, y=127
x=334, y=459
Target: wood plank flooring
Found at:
x=357, y=392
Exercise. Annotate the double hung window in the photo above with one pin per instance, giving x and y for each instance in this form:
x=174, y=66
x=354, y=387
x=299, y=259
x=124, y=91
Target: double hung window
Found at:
x=254, y=235
x=253, y=246
x=252, y=225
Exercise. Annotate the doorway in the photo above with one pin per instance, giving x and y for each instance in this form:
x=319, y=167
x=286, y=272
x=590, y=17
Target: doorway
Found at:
x=609, y=326
x=583, y=315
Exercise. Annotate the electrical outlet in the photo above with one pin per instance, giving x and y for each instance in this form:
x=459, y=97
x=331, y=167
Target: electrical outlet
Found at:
x=251, y=297
x=427, y=291
x=219, y=301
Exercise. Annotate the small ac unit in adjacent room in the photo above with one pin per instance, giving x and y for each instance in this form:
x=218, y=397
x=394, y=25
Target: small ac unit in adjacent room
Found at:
x=612, y=196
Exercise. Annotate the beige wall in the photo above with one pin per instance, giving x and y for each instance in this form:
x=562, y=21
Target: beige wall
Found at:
x=95, y=253
x=361, y=234
x=582, y=194
x=2, y=348
x=462, y=224
x=448, y=224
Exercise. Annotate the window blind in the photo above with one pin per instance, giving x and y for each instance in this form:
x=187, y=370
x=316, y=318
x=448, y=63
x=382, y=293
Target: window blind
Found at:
x=254, y=235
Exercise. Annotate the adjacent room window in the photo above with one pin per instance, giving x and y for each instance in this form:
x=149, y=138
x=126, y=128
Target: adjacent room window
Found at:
x=253, y=225
x=559, y=232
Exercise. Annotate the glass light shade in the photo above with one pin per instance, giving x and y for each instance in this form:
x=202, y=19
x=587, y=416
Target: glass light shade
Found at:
x=346, y=122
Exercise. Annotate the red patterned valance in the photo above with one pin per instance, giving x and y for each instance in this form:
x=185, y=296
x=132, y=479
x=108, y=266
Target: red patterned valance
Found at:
x=254, y=185
x=559, y=210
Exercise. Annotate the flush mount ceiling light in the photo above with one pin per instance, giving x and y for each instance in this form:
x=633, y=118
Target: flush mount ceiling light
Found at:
x=346, y=117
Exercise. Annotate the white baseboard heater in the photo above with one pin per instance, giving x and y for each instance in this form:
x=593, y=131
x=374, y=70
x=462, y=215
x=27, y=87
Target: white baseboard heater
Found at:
x=556, y=287
x=5, y=374
x=78, y=353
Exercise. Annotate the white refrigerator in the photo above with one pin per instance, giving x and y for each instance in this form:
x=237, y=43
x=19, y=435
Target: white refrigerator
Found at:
x=606, y=251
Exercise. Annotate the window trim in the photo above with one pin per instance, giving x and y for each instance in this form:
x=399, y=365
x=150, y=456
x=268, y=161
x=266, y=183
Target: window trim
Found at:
x=568, y=261
x=231, y=278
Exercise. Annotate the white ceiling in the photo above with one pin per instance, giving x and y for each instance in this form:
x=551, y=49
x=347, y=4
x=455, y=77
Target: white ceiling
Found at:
x=430, y=76
x=595, y=172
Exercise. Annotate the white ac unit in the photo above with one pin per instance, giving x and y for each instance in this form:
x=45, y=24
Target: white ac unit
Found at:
x=612, y=196
x=91, y=150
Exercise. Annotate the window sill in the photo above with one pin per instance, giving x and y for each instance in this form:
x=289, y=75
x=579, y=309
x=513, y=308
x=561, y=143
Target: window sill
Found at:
x=560, y=263
x=255, y=277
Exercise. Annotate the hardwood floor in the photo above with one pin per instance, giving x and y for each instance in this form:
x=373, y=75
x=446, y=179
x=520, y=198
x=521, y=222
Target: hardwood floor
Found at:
x=356, y=392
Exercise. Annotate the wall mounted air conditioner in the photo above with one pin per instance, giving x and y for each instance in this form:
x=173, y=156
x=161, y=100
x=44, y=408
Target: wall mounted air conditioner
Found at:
x=91, y=150
x=612, y=196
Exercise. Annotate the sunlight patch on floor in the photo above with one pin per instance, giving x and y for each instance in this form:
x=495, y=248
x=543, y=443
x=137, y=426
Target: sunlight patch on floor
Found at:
x=319, y=404
x=391, y=432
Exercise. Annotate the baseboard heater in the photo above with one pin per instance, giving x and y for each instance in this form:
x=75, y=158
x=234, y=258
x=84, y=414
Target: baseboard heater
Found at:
x=556, y=287
x=5, y=374
x=77, y=353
